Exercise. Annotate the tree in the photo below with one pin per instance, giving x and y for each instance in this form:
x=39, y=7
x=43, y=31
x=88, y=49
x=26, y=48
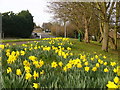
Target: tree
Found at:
x=17, y=25
x=78, y=13
x=105, y=10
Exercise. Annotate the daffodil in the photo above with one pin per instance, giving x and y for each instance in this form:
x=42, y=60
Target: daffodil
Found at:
x=54, y=64
x=79, y=65
x=86, y=63
x=69, y=65
x=42, y=72
x=41, y=63
x=65, y=68
x=36, y=85
x=116, y=80
x=104, y=57
x=106, y=70
x=35, y=62
x=28, y=76
x=92, y=59
x=105, y=63
x=35, y=75
x=97, y=65
x=17, y=53
x=60, y=64
x=25, y=62
x=112, y=63
x=65, y=56
x=96, y=56
x=9, y=70
x=35, y=47
x=27, y=69
x=8, y=54
x=2, y=46
x=13, y=53
x=94, y=69
x=87, y=69
x=18, y=72
x=68, y=48
x=11, y=59
x=115, y=70
x=71, y=54
x=111, y=85
x=82, y=57
x=8, y=50
x=22, y=53
x=33, y=58
x=101, y=62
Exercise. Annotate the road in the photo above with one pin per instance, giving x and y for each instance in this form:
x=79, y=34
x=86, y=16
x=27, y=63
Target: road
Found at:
x=45, y=35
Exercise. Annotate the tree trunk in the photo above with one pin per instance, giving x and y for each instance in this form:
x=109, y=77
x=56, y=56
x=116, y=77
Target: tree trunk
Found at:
x=101, y=31
x=65, y=31
x=86, y=38
x=105, y=37
x=116, y=25
x=114, y=41
x=115, y=38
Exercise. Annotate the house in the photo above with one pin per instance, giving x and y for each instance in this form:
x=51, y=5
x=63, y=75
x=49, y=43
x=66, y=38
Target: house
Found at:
x=47, y=27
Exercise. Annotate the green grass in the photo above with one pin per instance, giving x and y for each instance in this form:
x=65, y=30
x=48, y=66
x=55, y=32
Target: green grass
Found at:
x=93, y=47
x=18, y=40
x=56, y=77
x=82, y=47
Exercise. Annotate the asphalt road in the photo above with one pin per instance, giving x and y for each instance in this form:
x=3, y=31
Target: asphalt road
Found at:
x=45, y=35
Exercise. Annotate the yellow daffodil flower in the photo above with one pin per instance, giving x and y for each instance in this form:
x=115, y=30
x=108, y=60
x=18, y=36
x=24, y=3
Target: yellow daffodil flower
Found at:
x=28, y=76
x=35, y=75
x=42, y=72
x=112, y=63
x=54, y=64
x=60, y=64
x=111, y=85
x=9, y=70
x=87, y=69
x=94, y=69
x=97, y=65
x=116, y=80
x=106, y=70
x=36, y=85
x=18, y=72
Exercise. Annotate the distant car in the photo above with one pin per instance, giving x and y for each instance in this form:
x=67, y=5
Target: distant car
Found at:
x=35, y=35
x=47, y=31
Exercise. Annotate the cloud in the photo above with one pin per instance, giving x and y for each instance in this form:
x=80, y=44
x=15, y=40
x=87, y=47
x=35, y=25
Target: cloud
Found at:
x=36, y=7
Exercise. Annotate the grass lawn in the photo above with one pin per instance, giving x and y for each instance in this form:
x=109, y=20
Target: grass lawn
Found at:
x=58, y=63
x=81, y=47
x=17, y=40
x=92, y=48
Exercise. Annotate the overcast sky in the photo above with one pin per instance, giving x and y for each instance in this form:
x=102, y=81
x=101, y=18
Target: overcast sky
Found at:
x=36, y=7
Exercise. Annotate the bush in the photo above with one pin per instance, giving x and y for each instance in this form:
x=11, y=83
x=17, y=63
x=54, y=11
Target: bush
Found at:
x=17, y=25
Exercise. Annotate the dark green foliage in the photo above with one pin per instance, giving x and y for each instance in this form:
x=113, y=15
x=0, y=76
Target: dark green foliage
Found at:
x=17, y=25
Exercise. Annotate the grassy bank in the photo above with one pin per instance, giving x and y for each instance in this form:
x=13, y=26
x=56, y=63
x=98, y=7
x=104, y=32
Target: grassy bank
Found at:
x=93, y=47
x=52, y=63
x=18, y=40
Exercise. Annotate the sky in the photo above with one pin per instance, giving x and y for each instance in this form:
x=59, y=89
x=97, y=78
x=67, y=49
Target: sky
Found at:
x=37, y=8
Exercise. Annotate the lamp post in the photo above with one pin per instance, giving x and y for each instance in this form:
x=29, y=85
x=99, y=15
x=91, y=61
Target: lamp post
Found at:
x=65, y=30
